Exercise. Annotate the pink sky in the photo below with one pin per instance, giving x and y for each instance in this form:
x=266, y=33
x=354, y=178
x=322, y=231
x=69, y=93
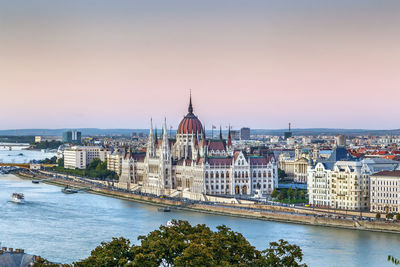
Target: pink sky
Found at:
x=117, y=64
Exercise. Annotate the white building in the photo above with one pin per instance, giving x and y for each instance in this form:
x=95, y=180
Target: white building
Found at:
x=344, y=184
x=191, y=165
x=385, y=192
x=78, y=157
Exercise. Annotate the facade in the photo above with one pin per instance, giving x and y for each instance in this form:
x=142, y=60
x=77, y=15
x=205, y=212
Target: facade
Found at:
x=245, y=133
x=297, y=167
x=194, y=166
x=114, y=160
x=74, y=137
x=344, y=184
x=385, y=192
x=78, y=157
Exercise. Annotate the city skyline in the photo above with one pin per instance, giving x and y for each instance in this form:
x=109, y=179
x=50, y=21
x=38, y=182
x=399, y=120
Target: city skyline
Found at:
x=261, y=65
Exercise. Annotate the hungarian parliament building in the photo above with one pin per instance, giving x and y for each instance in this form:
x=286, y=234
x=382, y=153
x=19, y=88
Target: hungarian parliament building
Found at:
x=191, y=165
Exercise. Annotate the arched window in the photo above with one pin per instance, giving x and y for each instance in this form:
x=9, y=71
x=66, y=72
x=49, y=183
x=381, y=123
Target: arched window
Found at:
x=269, y=174
x=259, y=174
x=264, y=174
x=206, y=174
x=217, y=175
x=211, y=174
x=227, y=174
x=247, y=175
x=222, y=174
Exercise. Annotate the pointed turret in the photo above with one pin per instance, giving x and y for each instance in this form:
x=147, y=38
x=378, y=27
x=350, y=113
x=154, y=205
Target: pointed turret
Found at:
x=150, y=143
x=229, y=137
x=190, y=109
x=220, y=133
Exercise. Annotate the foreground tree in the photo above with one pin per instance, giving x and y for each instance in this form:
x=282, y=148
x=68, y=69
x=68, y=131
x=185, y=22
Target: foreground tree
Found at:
x=186, y=245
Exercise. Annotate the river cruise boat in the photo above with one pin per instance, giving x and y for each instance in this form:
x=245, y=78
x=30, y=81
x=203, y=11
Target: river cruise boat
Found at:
x=18, y=198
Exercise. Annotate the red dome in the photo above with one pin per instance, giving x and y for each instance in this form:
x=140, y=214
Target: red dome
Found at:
x=190, y=123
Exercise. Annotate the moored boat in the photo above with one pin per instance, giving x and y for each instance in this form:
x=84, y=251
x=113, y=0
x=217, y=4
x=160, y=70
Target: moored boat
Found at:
x=18, y=198
x=67, y=190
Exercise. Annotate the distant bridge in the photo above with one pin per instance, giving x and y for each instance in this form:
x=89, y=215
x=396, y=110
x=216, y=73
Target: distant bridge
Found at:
x=27, y=166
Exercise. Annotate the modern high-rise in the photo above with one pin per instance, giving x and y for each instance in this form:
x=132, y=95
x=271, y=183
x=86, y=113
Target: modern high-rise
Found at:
x=74, y=137
x=245, y=133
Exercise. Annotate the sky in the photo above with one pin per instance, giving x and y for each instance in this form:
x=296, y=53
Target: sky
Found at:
x=261, y=64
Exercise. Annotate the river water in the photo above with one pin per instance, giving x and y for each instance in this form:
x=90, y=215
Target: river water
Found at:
x=65, y=228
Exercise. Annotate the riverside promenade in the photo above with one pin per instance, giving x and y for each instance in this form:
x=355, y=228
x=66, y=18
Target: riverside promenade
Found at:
x=250, y=210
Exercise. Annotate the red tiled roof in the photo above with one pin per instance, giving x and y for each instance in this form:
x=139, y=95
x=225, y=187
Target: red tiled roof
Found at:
x=220, y=161
x=190, y=124
x=216, y=145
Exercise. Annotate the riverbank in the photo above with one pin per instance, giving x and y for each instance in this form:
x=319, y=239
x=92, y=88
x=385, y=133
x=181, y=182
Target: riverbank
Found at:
x=249, y=211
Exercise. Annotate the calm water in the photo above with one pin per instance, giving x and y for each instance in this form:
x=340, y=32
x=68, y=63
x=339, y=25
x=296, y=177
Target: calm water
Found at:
x=14, y=156
x=65, y=228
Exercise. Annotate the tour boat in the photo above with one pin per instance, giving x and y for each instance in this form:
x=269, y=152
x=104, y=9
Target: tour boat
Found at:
x=17, y=198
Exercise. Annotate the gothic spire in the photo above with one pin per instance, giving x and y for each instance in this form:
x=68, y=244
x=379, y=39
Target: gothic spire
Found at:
x=190, y=109
x=220, y=132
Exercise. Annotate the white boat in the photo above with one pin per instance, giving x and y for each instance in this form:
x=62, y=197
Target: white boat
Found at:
x=18, y=198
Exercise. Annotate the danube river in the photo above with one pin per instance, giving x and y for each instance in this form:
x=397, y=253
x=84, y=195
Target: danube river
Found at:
x=65, y=228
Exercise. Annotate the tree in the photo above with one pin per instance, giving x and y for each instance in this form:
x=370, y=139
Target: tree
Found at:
x=398, y=216
x=281, y=174
x=378, y=215
x=389, y=216
x=60, y=163
x=186, y=245
x=274, y=193
x=283, y=254
x=115, y=253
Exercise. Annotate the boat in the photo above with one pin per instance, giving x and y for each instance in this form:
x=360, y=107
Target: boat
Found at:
x=35, y=181
x=67, y=190
x=164, y=209
x=18, y=198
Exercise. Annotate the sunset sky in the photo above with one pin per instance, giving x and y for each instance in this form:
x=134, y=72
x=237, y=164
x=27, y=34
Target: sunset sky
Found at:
x=262, y=64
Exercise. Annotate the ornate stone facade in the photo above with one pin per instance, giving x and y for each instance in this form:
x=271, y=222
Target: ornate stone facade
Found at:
x=193, y=164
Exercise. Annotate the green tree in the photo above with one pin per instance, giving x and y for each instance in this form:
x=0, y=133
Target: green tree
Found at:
x=283, y=254
x=378, y=215
x=274, y=193
x=118, y=252
x=398, y=216
x=186, y=245
x=60, y=163
x=281, y=174
x=389, y=216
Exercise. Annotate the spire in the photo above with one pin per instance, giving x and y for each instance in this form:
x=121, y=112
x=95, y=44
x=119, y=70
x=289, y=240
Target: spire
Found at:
x=190, y=109
x=220, y=132
x=155, y=136
x=229, y=137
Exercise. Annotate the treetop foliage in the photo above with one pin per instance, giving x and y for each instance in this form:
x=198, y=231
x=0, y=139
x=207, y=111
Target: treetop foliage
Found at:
x=186, y=245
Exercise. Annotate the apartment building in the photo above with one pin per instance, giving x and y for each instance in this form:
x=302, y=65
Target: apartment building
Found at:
x=385, y=192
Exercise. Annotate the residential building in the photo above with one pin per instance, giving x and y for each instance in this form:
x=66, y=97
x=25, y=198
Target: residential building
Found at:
x=385, y=192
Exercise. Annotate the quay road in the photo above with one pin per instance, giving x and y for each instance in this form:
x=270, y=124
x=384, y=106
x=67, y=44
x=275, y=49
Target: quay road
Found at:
x=260, y=207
